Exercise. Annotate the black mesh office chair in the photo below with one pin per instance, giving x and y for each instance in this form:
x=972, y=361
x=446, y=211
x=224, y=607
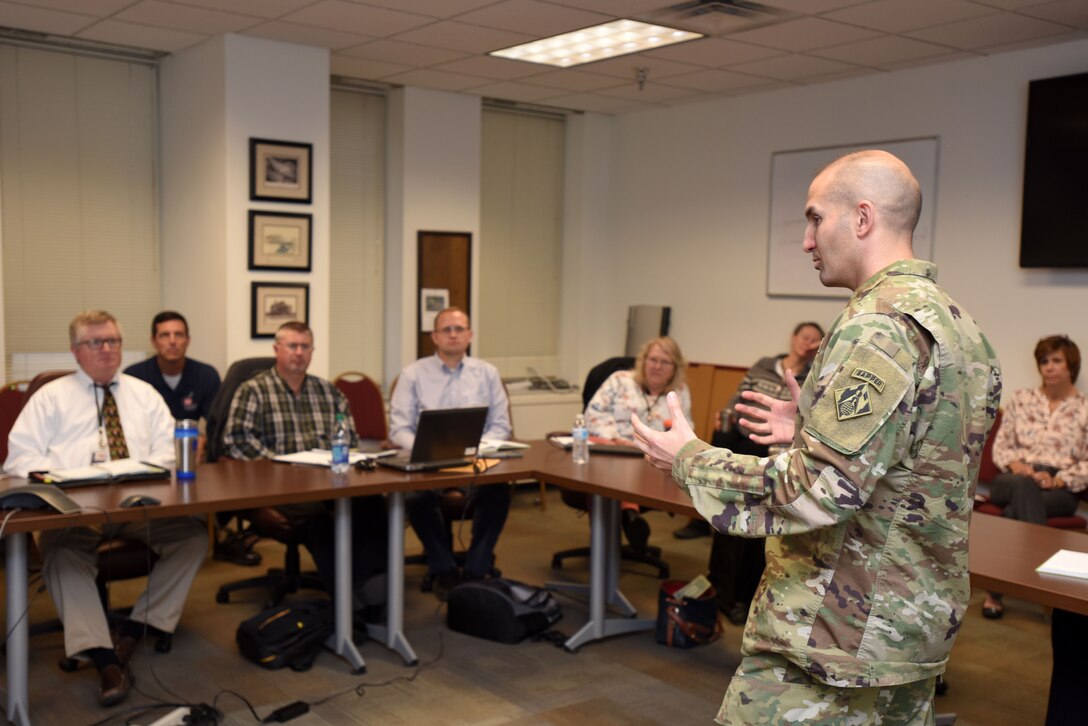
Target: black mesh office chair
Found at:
x=649, y=555
x=262, y=521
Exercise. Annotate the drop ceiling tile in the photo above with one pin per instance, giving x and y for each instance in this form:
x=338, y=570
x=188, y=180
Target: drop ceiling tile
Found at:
x=141, y=36
x=364, y=67
x=258, y=8
x=719, y=81
x=597, y=103
x=515, y=91
x=896, y=16
x=809, y=7
x=97, y=8
x=626, y=66
x=340, y=14
x=650, y=93
x=617, y=8
x=530, y=16
x=1068, y=36
x=713, y=52
x=1073, y=13
x=181, y=17
x=705, y=23
x=43, y=20
x=883, y=52
x=571, y=80
x=306, y=35
x=488, y=67
x=464, y=37
x=793, y=67
x=436, y=8
x=441, y=80
x=394, y=51
x=989, y=31
x=1011, y=4
x=956, y=55
x=804, y=34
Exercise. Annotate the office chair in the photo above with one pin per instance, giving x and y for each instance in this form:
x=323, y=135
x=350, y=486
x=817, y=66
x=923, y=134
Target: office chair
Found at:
x=367, y=405
x=263, y=521
x=650, y=555
x=12, y=397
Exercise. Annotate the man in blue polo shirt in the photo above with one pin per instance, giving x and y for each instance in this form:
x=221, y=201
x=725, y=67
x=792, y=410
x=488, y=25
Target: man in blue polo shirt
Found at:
x=188, y=386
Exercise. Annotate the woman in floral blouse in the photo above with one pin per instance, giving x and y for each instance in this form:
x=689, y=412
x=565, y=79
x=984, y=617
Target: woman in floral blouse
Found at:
x=1042, y=445
x=659, y=368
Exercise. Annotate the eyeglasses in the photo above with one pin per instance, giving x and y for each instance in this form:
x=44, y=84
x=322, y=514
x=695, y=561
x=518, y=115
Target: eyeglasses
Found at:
x=452, y=330
x=663, y=362
x=298, y=347
x=98, y=343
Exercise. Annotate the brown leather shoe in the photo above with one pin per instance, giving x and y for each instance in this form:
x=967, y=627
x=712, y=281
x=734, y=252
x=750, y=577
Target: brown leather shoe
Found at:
x=126, y=648
x=115, y=683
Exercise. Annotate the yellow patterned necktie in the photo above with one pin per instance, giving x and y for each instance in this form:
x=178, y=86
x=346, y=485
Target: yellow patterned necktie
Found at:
x=111, y=419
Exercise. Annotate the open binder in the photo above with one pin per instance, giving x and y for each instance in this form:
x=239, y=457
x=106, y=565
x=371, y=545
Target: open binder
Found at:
x=120, y=470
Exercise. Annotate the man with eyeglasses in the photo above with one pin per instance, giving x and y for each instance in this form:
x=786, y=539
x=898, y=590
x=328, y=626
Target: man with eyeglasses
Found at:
x=452, y=379
x=285, y=410
x=91, y=416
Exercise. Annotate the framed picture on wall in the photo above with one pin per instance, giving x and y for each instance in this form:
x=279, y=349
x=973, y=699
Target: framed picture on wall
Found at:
x=280, y=171
x=275, y=303
x=280, y=241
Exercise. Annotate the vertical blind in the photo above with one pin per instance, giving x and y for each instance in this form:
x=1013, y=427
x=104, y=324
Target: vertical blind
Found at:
x=521, y=220
x=357, y=232
x=77, y=200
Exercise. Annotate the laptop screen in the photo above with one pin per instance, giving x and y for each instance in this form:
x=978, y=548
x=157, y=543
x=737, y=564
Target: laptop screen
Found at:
x=445, y=433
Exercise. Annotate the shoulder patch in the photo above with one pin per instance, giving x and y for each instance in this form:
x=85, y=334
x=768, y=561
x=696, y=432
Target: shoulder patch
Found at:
x=853, y=401
x=869, y=377
x=863, y=393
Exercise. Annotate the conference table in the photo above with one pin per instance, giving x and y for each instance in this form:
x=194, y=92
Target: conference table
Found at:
x=1004, y=553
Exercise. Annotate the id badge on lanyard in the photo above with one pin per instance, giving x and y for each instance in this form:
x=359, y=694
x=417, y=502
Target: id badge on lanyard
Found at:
x=102, y=453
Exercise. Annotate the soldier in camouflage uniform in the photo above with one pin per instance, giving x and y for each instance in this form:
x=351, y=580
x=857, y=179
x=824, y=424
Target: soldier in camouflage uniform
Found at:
x=866, y=582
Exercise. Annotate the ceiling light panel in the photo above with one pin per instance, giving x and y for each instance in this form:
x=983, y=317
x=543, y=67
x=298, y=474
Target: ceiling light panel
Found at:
x=610, y=40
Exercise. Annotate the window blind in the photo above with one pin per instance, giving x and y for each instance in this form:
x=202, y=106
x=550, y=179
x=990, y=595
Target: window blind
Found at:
x=77, y=200
x=521, y=218
x=357, y=233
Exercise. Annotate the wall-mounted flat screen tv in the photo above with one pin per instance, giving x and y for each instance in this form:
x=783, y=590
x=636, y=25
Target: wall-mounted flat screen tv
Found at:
x=1054, y=225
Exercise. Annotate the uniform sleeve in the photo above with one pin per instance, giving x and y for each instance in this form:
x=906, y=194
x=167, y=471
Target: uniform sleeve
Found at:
x=856, y=427
x=242, y=434
x=404, y=412
x=498, y=425
x=214, y=382
x=600, y=419
x=1006, y=447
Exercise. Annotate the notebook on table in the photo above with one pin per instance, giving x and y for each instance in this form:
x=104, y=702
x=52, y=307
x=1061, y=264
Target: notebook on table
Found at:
x=444, y=437
x=106, y=472
x=567, y=442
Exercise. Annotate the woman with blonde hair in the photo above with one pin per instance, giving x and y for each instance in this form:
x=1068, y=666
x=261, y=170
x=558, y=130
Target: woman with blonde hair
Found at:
x=659, y=368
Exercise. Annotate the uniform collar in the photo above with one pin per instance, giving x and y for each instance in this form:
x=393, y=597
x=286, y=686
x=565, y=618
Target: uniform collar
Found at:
x=913, y=268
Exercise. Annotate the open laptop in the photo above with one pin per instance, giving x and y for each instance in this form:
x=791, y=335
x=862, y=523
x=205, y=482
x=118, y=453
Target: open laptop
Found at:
x=442, y=438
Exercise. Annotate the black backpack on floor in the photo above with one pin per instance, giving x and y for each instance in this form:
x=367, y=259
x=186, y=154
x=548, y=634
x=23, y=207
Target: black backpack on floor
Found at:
x=503, y=610
x=289, y=635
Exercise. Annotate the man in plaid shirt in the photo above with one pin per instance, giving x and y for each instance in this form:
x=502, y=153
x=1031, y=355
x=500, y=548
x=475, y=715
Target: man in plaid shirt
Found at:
x=284, y=410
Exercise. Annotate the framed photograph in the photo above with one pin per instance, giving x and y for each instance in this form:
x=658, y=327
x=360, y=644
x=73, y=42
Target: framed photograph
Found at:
x=280, y=171
x=275, y=303
x=280, y=241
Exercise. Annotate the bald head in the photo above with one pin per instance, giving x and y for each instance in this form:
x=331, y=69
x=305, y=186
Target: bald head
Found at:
x=882, y=179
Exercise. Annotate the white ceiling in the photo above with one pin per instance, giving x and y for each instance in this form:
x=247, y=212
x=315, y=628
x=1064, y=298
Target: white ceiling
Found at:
x=442, y=44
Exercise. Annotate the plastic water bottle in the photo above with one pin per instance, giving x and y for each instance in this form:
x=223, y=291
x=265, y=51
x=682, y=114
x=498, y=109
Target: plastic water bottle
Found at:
x=341, y=440
x=579, y=450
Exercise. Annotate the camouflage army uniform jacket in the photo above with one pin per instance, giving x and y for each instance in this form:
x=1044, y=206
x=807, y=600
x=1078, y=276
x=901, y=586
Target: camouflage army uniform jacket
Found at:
x=866, y=581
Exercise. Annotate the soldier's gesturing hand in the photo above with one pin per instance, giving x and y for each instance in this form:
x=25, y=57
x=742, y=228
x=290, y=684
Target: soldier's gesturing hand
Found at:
x=771, y=421
x=661, y=447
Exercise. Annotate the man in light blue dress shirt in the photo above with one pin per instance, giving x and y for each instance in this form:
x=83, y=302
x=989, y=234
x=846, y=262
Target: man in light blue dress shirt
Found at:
x=452, y=379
